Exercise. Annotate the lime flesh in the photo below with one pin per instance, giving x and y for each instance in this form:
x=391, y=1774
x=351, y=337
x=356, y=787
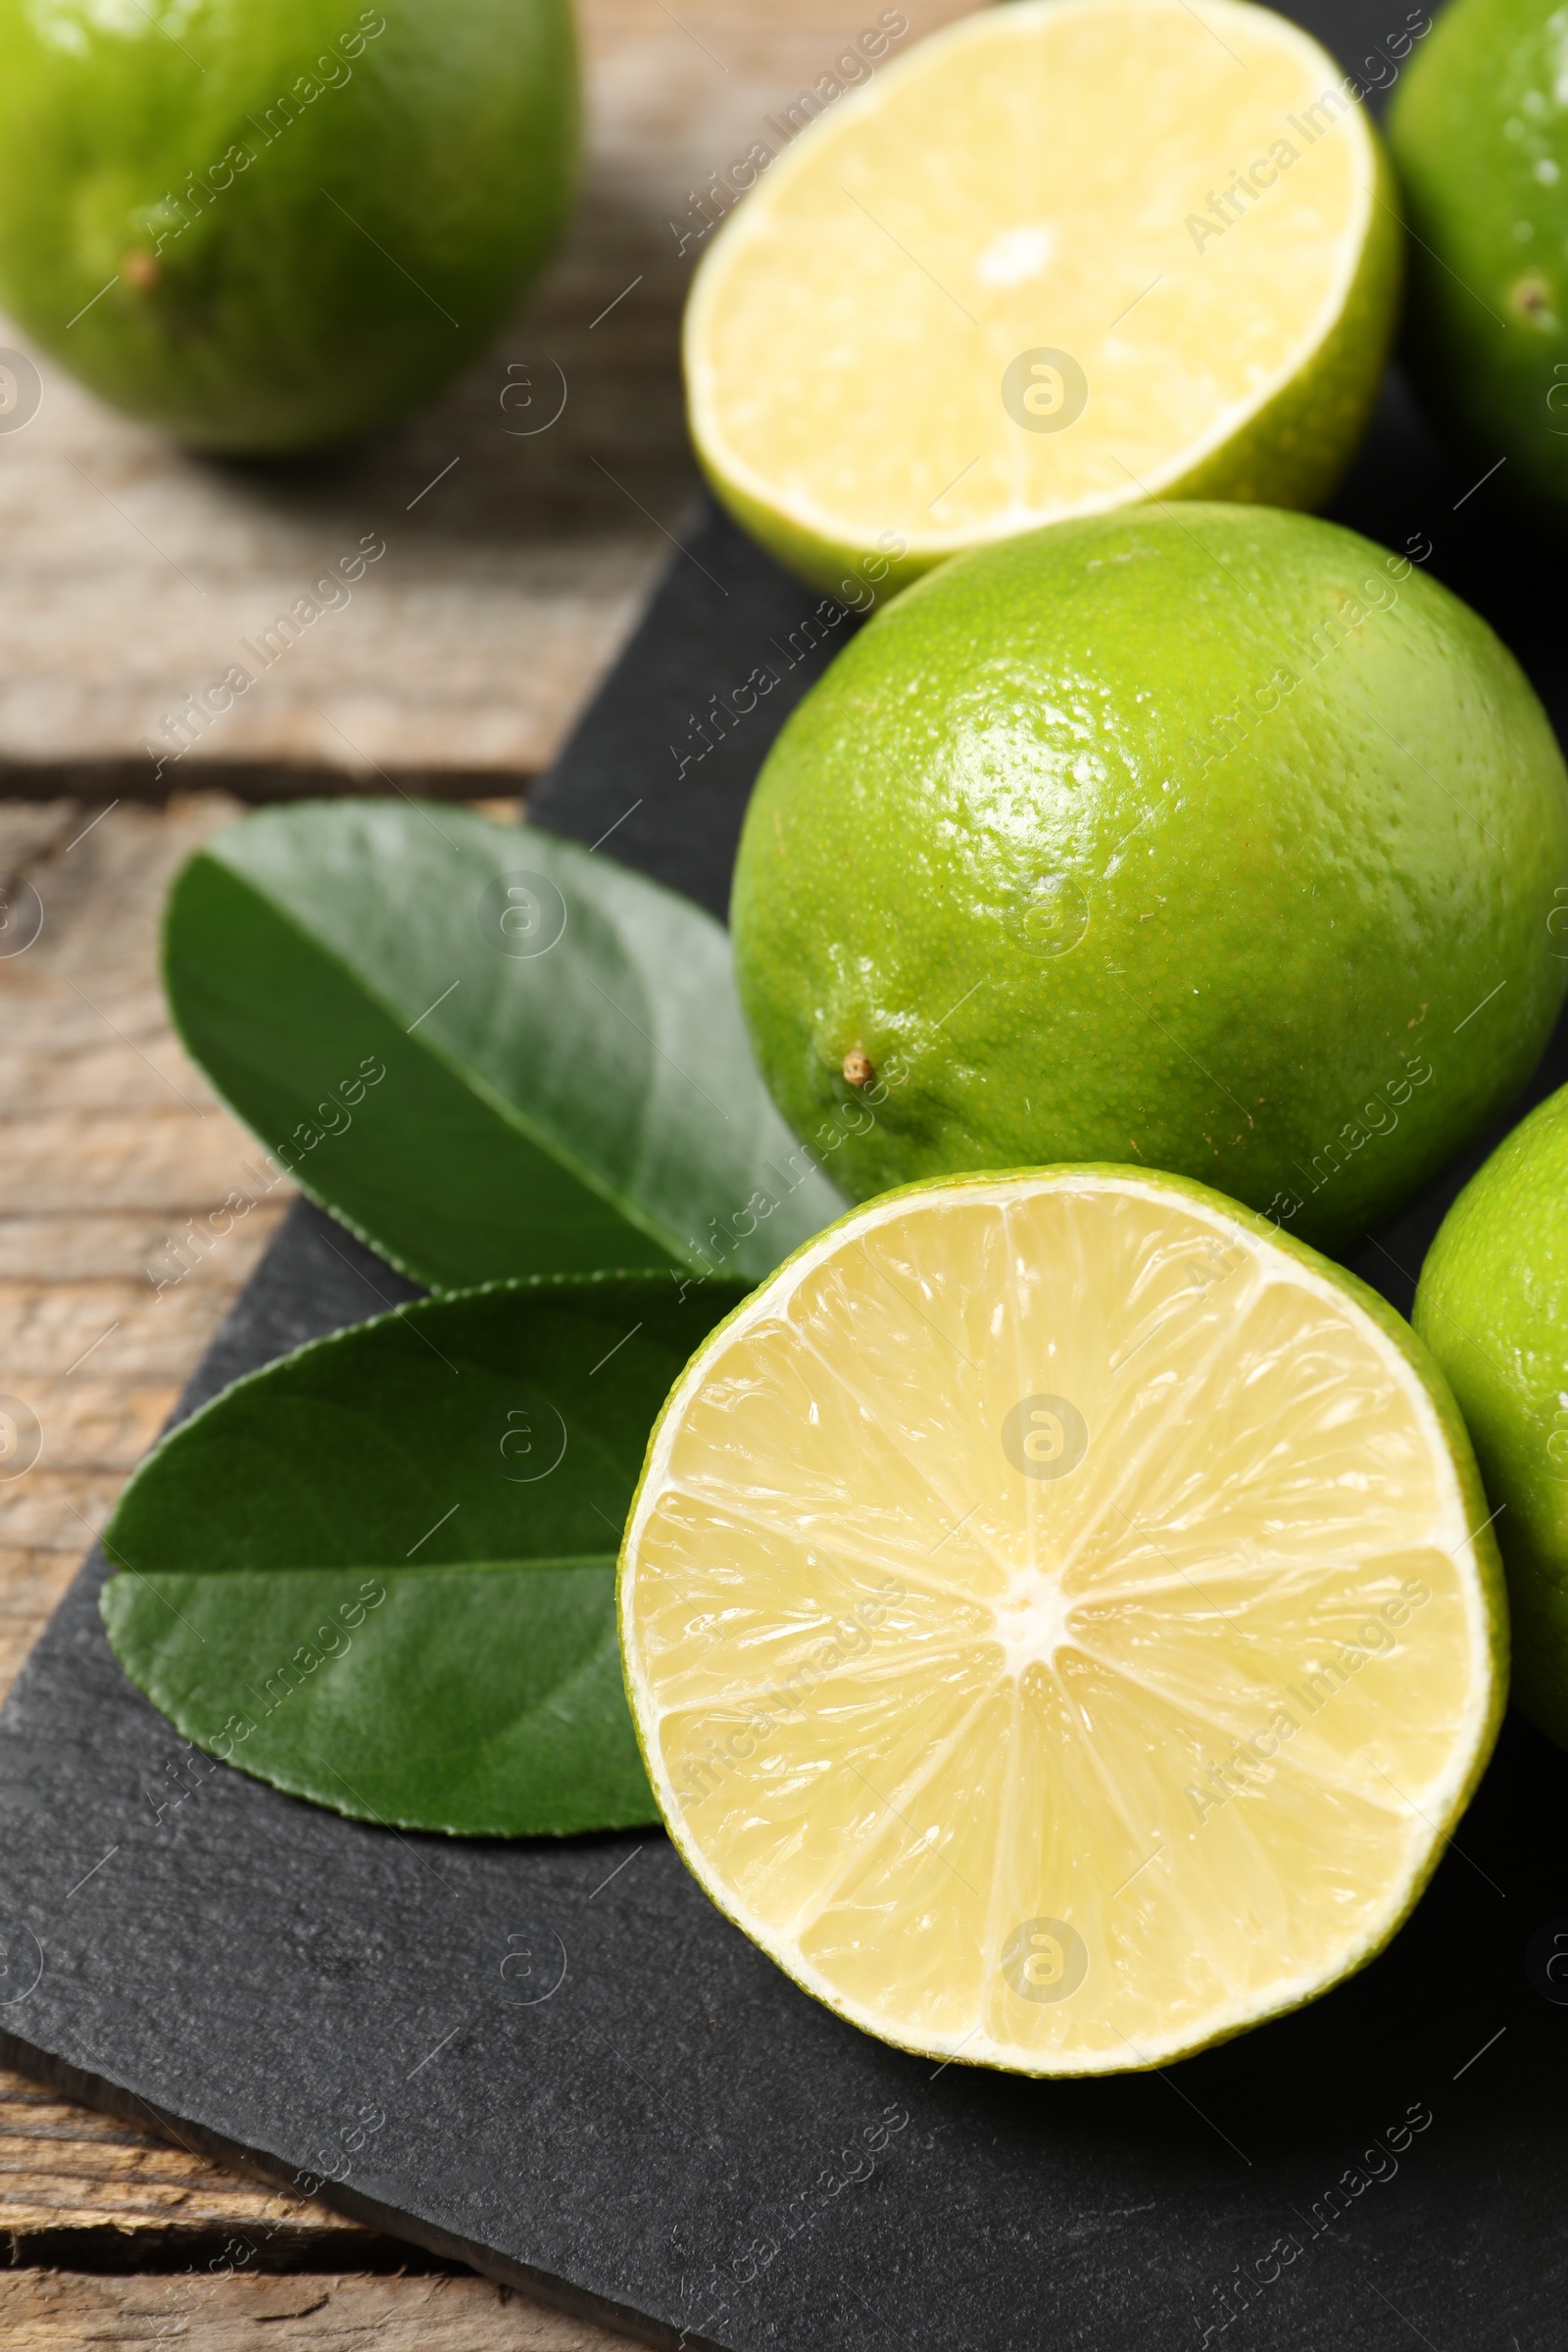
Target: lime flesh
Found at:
x=1062, y=256
x=1060, y=1621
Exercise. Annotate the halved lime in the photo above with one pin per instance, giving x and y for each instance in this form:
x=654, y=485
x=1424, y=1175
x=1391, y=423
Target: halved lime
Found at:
x=1060, y=1621
x=1011, y=280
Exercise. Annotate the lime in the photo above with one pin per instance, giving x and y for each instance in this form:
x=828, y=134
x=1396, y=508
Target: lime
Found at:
x=1204, y=837
x=1060, y=1621
x=267, y=227
x=1492, y=1307
x=1479, y=129
x=1010, y=280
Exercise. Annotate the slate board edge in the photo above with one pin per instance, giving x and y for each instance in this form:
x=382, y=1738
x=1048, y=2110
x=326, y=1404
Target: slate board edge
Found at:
x=127, y=2106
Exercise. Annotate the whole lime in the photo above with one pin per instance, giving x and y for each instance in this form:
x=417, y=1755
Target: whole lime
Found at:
x=1492, y=1307
x=1479, y=129
x=1209, y=838
x=267, y=225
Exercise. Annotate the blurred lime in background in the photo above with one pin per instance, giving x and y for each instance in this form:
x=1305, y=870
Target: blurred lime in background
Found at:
x=1479, y=129
x=266, y=227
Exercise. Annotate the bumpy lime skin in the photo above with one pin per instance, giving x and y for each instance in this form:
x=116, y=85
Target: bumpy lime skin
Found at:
x=1493, y=1308
x=264, y=225
x=1207, y=838
x=1479, y=129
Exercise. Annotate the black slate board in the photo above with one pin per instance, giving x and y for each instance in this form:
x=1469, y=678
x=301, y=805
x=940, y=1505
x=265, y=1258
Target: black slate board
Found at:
x=589, y=2083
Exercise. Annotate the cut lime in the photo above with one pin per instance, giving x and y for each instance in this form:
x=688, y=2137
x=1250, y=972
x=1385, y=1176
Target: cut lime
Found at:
x=1009, y=281
x=1059, y=1619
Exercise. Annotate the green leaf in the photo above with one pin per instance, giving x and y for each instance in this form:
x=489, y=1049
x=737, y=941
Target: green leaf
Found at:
x=483, y=1084
x=380, y=1573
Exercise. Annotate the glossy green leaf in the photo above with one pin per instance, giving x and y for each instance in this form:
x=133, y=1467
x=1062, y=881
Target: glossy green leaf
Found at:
x=380, y=1573
x=489, y=1052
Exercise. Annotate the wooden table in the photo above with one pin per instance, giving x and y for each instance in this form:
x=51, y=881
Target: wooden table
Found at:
x=516, y=561
x=514, y=567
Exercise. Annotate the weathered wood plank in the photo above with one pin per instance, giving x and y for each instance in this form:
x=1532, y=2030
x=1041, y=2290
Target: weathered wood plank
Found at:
x=514, y=563
x=44, y=2312
x=110, y=1142
x=63, y=2167
x=103, y=1123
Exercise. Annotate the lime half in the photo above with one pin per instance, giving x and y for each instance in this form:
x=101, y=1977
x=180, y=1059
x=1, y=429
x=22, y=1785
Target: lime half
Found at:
x=1059, y=1619
x=1011, y=280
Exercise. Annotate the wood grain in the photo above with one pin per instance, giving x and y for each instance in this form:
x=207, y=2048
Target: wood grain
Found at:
x=67, y=2171
x=42, y=2312
x=112, y=1147
x=515, y=561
